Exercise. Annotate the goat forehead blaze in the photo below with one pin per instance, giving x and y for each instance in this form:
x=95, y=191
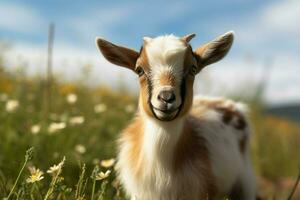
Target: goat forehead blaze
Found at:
x=166, y=52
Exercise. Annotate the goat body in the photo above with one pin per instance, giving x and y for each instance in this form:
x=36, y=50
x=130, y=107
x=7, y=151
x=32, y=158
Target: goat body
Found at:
x=202, y=156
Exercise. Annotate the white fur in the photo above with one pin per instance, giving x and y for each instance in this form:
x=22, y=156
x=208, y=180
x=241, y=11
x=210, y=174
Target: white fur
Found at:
x=157, y=181
x=166, y=54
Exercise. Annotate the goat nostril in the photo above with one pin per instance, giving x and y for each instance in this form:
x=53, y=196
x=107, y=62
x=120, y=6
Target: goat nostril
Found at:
x=166, y=96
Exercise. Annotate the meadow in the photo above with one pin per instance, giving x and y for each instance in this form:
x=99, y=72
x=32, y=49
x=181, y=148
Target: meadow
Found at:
x=58, y=141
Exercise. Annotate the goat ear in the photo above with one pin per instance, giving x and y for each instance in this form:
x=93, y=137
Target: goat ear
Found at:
x=117, y=55
x=215, y=50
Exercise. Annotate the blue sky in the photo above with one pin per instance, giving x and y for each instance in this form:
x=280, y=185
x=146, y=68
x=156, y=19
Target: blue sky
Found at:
x=265, y=31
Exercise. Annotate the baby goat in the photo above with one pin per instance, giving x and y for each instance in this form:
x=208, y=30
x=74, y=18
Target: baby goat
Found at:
x=179, y=147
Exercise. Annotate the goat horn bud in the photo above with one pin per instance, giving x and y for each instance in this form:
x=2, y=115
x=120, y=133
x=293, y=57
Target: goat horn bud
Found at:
x=188, y=37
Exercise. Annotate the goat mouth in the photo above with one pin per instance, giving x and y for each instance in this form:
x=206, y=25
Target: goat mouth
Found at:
x=165, y=114
x=166, y=111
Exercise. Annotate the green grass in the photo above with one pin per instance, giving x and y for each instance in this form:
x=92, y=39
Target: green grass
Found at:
x=104, y=113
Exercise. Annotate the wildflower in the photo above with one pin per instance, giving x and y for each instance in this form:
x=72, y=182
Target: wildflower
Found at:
x=102, y=175
x=35, y=129
x=129, y=108
x=56, y=126
x=71, y=98
x=56, y=169
x=76, y=120
x=99, y=108
x=108, y=163
x=79, y=148
x=3, y=97
x=11, y=105
x=35, y=175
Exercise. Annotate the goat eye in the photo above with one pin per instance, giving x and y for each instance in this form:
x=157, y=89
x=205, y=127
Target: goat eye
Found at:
x=139, y=71
x=193, y=70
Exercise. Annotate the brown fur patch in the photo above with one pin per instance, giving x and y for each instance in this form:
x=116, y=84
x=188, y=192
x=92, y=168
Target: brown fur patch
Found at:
x=229, y=115
x=133, y=135
x=191, y=150
x=144, y=96
x=243, y=144
x=189, y=59
x=144, y=93
x=228, y=111
x=167, y=79
x=142, y=61
x=240, y=124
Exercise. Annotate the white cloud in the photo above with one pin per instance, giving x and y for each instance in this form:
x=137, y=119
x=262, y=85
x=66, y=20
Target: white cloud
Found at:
x=97, y=21
x=283, y=17
x=19, y=18
x=288, y=95
x=134, y=19
x=276, y=23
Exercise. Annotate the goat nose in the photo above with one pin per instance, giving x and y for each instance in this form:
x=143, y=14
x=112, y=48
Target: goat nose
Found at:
x=166, y=96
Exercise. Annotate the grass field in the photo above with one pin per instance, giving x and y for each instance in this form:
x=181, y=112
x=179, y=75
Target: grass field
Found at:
x=74, y=127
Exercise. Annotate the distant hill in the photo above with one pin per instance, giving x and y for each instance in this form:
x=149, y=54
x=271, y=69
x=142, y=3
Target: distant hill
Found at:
x=290, y=111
